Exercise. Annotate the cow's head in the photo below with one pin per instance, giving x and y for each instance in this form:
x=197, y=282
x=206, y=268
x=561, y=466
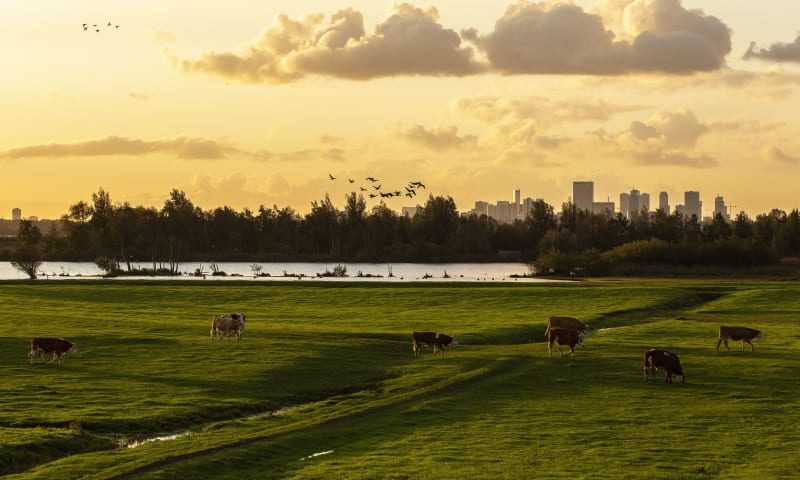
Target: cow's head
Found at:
x=760, y=334
x=73, y=349
x=581, y=336
x=454, y=341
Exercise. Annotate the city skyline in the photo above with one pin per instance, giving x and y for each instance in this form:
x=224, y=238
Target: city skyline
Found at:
x=250, y=103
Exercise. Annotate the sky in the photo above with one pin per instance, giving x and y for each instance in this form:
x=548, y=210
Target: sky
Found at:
x=246, y=103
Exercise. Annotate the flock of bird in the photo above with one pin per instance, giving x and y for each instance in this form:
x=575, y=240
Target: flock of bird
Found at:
x=409, y=190
x=96, y=27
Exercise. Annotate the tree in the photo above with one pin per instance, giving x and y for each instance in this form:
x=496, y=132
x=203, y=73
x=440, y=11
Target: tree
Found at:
x=438, y=220
x=27, y=257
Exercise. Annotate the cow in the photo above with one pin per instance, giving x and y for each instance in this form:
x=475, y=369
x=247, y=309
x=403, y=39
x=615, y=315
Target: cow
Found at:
x=738, y=333
x=57, y=346
x=566, y=337
x=439, y=341
x=655, y=359
x=227, y=324
x=567, y=323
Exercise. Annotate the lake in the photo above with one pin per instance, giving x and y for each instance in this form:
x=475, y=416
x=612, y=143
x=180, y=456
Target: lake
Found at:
x=379, y=272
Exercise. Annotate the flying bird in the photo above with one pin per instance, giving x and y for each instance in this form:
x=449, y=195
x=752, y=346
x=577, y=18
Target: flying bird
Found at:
x=376, y=188
x=350, y=180
x=362, y=189
x=372, y=179
x=331, y=177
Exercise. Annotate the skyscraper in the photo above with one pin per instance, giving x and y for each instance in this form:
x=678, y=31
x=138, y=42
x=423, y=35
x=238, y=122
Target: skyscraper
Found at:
x=635, y=205
x=692, y=205
x=663, y=202
x=583, y=195
x=516, y=203
x=16, y=214
x=719, y=207
x=625, y=204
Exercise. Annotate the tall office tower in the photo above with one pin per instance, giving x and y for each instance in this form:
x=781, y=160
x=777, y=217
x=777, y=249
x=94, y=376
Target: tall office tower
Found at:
x=625, y=204
x=644, y=202
x=16, y=214
x=583, y=195
x=692, y=205
x=516, y=203
x=635, y=204
x=663, y=202
x=719, y=207
x=527, y=206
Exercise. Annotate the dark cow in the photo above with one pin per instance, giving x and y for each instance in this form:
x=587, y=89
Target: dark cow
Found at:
x=227, y=324
x=655, y=359
x=738, y=333
x=567, y=323
x=41, y=346
x=562, y=336
x=439, y=341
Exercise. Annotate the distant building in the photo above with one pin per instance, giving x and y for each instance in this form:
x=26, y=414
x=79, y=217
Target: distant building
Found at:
x=481, y=208
x=606, y=208
x=625, y=204
x=16, y=214
x=410, y=212
x=635, y=203
x=583, y=195
x=644, y=202
x=516, y=203
x=663, y=202
x=720, y=208
x=692, y=205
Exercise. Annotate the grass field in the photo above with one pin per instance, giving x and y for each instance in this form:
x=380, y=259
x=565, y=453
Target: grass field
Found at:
x=324, y=384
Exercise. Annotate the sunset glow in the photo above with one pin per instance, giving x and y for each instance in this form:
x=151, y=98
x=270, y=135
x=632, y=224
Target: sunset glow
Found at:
x=245, y=103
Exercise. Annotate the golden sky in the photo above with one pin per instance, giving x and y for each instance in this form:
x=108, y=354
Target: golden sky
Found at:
x=246, y=103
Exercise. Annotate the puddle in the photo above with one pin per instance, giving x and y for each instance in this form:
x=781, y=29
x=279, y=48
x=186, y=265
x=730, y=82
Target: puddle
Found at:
x=139, y=440
x=318, y=454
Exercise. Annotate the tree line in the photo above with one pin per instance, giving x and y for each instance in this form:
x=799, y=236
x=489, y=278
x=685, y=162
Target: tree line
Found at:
x=121, y=237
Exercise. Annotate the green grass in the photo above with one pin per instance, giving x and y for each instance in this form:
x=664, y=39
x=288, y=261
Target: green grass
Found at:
x=494, y=407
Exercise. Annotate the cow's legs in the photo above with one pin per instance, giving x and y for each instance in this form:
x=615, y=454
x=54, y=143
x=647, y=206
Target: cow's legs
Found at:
x=752, y=348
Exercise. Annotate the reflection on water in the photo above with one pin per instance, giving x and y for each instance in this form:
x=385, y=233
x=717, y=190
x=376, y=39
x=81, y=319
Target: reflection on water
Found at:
x=376, y=272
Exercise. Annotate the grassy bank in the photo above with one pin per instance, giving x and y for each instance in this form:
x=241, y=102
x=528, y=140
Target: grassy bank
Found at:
x=324, y=385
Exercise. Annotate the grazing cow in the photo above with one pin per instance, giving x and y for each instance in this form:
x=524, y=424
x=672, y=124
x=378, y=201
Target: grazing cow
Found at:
x=562, y=336
x=439, y=341
x=57, y=346
x=567, y=323
x=738, y=333
x=655, y=359
x=227, y=324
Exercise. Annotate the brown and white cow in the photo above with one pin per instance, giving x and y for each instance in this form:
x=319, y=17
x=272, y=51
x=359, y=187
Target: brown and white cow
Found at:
x=40, y=346
x=567, y=323
x=439, y=341
x=563, y=336
x=744, y=334
x=655, y=359
x=227, y=325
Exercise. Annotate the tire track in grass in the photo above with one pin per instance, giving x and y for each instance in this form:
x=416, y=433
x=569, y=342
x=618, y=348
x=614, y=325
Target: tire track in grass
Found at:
x=385, y=402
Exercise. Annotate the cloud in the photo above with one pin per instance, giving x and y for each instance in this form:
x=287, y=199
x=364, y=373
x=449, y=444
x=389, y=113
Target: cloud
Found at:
x=562, y=38
x=665, y=139
x=437, y=138
x=409, y=42
x=310, y=155
x=522, y=119
x=554, y=37
x=778, y=52
x=138, y=96
x=184, y=147
x=776, y=155
x=163, y=37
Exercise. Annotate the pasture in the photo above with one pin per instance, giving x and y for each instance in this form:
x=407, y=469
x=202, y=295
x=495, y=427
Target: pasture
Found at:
x=324, y=383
